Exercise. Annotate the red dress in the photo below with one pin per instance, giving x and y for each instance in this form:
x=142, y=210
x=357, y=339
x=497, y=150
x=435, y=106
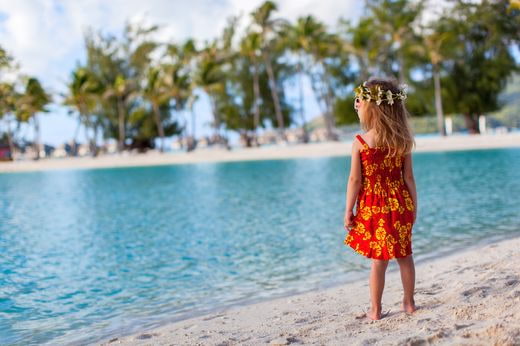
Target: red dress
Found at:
x=384, y=212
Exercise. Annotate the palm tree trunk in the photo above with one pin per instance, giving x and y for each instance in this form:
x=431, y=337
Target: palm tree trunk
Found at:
x=37, y=136
x=328, y=98
x=90, y=141
x=302, y=110
x=400, y=58
x=216, y=118
x=10, y=140
x=158, y=123
x=314, y=86
x=95, y=127
x=75, y=138
x=192, y=111
x=328, y=114
x=363, y=68
x=121, y=123
x=191, y=142
x=438, y=100
x=274, y=94
x=256, y=90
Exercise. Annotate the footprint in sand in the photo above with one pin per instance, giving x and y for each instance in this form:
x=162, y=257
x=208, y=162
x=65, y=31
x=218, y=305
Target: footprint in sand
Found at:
x=511, y=280
x=146, y=336
x=433, y=290
x=482, y=291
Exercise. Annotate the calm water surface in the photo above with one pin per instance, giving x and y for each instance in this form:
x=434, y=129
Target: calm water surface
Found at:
x=86, y=254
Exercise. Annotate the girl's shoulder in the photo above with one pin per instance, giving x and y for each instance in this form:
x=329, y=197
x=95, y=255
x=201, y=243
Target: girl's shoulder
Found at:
x=364, y=139
x=360, y=142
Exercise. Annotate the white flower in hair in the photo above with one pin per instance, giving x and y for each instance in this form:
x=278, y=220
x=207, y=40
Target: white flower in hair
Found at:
x=389, y=97
x=379, y=98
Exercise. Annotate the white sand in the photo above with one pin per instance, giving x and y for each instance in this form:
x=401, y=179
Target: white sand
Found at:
x=456, y=142
x=470, y=297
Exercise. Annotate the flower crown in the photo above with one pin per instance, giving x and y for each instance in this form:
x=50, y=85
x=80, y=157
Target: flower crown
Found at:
x=376, y=93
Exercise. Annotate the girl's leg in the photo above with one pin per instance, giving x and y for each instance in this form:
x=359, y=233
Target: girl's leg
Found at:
x=377, y=284
x=407, y=268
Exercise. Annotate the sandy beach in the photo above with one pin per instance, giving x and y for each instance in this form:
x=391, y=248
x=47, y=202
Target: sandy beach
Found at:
x=313, y=150
x=469, y=297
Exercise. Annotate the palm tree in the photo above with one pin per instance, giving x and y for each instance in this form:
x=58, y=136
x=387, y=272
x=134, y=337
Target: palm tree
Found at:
x=361, y=42
x=210, y=77
x=84, y=90
x=181, y=82
x=121, y=90
x=250, y=47
x=393, y=23
x=8, y=99
x=269, y=32
x=432, y=46
x=33, y=101
x=191, y=101
x=301, y=38
x=156, y=94
x=324, y=46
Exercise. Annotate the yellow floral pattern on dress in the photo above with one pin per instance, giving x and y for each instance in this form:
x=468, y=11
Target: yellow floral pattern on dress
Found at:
x=404, y=235
x=388, y=163
x=409, y=203
x=394, y=204
x=366, y=186
x=366, y=213
x=398, y=161
x=370, y=169
x=359, y=228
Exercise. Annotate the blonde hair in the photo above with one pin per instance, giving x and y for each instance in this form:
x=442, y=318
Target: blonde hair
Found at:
x=390, y=122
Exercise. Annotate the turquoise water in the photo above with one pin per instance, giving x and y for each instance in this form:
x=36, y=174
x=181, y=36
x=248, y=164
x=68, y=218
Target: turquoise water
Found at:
x=87, y=254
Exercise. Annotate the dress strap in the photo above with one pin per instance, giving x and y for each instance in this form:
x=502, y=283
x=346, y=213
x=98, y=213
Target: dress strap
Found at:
x=361, y=140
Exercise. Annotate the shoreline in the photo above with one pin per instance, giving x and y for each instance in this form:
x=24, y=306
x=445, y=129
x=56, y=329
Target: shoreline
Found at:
x=328, y=315
x=273, y=152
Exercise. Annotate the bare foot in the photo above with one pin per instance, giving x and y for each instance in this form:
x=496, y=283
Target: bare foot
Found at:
x=373, y=315
x=409, y=308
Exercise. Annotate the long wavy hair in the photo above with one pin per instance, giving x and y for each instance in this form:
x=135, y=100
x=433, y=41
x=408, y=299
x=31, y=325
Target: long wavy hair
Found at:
x=390, y=122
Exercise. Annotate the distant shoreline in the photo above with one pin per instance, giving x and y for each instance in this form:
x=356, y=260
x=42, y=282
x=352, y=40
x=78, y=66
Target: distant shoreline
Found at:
x=275, y=152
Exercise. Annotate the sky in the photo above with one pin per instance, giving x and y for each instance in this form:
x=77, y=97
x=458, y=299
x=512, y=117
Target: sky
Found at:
x=46, y=38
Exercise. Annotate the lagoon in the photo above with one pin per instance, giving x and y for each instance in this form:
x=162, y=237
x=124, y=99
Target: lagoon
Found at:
x=85, y=254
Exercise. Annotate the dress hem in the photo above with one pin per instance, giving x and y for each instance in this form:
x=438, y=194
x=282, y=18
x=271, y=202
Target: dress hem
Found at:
x=383, y=259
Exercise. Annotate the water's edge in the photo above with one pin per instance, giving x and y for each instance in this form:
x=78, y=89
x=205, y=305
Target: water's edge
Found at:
x=419, y=261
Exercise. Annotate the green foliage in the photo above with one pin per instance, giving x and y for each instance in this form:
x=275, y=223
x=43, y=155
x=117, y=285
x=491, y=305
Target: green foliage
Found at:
x=33, y=100
x=344, y=111
x=236, y=101
x=482, y=61
x=134, y=88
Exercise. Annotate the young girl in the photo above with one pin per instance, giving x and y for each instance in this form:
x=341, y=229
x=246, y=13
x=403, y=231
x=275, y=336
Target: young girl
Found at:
x=382, y=181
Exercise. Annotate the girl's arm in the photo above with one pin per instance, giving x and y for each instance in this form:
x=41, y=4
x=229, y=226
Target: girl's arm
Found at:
x=409, y=180
x=354, y=183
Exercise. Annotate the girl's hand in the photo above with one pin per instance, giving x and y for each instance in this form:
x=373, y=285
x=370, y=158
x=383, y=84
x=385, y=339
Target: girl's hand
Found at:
x=349, y=219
